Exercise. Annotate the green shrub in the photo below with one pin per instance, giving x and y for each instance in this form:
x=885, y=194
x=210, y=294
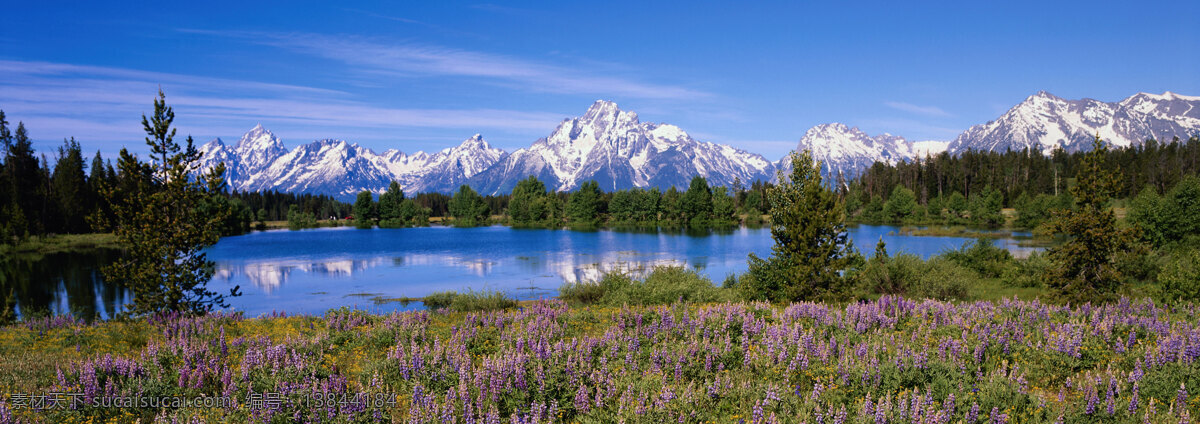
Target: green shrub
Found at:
x=981, y=256
x=471, y=301
x=1027, y=272
x=908, y=275
x=1179, y=279
x=664, y=285
x=440, y=300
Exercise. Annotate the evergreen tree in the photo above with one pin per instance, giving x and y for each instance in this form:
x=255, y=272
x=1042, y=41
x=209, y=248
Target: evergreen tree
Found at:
x=900, y=205
x=723, y=211
x=389, y=207
x=468, y=208
x=697, y=202
x=811, y=246
x=1085, y=268
x=584, y=206
x=529, y=203
x=70, y=189
x=159, y=222
x=364, y=209
x=24, y=178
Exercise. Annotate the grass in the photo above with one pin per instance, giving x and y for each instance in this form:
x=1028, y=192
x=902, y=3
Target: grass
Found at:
x=45, y=245
x=471, y=301
x=699, y=362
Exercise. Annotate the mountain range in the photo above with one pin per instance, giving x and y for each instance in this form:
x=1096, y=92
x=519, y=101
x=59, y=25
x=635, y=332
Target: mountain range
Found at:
x=616, y=149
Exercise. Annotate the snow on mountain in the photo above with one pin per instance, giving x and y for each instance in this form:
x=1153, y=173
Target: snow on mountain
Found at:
x=259, y=161
x=848, y=151
x=445, y=170
x=1044, y=122
x=617, y=150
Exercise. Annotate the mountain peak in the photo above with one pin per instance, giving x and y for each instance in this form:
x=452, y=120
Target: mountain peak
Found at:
x=605, y=112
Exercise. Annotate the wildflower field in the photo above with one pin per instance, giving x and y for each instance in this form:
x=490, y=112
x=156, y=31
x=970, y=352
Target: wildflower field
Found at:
x=889, y=360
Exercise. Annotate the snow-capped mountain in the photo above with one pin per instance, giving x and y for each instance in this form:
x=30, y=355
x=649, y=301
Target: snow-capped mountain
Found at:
x=445, y=170
x=847, y=151
x=1044, y=122
x=259, y=161
x=617, y=150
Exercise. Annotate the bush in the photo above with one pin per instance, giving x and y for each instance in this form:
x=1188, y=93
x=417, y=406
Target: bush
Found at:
x=981, y=256
x=1179, y=279
x=664, y=285
x=908, y=275
x=1027, y=272
x=471, y=301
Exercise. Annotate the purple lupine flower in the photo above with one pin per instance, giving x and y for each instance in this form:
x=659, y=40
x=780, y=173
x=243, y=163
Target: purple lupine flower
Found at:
x=581, y=399
x=1181, y=396
x=1133, y=399
x=997, y=417
x=973, y=414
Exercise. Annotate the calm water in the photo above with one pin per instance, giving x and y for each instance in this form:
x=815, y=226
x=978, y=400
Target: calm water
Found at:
x=310, y=271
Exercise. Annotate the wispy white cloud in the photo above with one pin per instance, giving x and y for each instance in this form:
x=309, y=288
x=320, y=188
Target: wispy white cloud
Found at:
x=408, y=59
x=932, y=111
x=105, y=104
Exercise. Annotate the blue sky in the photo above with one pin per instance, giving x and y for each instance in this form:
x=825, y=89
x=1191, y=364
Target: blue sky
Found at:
x=426, y=75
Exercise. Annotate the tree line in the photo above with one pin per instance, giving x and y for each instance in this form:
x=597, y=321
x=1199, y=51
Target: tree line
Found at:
x=973, y=186
x=532, y=204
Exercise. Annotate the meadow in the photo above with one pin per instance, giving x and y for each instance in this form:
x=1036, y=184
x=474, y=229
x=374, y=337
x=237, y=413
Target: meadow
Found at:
x=888, y=360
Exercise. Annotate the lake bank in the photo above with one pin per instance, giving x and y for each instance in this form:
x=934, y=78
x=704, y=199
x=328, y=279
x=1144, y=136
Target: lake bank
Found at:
x=310, y=271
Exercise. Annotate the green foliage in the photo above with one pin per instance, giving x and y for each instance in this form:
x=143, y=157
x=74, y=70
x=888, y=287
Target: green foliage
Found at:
x=1179, y=278
x=663, y=285
x=162, y=227
x=1084, y=265
x=697, y=203
x=471, y=301
x=1033, y=211
x=1171, y=218
x=981, y=256
x=900, y=206
x=1028, y=272
x=585, y=205
x=389, y=202
x=530, y=204
x=468, y=208
x=906, y=274
x=986, y=206
x=297, y=220
x=365, y=210
x=811, y=245
x=70, y=190
x=723, y=211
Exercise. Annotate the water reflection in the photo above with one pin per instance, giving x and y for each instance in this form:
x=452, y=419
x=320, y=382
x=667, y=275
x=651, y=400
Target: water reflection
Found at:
x=314, y=270
x=270, y=275
x=61, y=283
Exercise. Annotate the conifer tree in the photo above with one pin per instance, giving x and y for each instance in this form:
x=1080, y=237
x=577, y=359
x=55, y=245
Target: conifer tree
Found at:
x=364, y=209
x=158, y=220
x=467, y=207
x=584, y=205
x=811, y=246
x=1085, y=268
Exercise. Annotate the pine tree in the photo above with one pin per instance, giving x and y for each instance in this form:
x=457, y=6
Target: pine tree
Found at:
x=71, y=193
x=364, y=209
x=24, y=178
x=1085, y=268
x=584, y=206
x=390, y=214
x=157, y=218
x=529, y=203
x=468, y=208
x=811, y=246
x=697, y=203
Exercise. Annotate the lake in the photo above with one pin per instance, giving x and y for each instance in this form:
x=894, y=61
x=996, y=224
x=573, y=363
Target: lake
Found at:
x=311, y=271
